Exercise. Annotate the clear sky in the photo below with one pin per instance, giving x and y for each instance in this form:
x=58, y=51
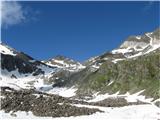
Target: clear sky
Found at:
x=78, y=30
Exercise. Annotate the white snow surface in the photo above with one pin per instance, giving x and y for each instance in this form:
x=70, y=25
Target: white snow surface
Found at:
x=129, y=97
x=26, y=81
x=110, y=83
x=96, y=66
x=134, y=112
x=122, y=50
x=6, y=50
x=116, y=60
x=72, y=67
x=22, y=82
x=138, y=37
x=63, y=91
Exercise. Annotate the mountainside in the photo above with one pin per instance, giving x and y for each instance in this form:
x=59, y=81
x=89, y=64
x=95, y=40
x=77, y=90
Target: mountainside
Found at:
x=132, y=75
x=62, y=87
x=133, y=67
x=62, y=71
x=21, y=70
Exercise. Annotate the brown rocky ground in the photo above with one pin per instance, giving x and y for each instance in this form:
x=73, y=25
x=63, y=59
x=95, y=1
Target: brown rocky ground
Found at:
x=40, y=104
x=49, y=105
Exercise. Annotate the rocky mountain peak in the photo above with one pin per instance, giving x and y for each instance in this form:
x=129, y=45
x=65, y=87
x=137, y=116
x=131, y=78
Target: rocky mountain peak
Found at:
x=142, y=41
x=132, y=47
x=139, y=43
x=60, y=57
x=5, y=49
x=65, y=63
x=19, y=67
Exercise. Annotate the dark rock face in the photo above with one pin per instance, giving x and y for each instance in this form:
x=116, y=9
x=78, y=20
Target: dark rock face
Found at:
x=11, y=63
x=41, y=104
x=157, y=103
x=110, y=55
x=58, y=78
x=23, y=63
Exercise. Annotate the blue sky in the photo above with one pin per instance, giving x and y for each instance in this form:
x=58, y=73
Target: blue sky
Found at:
x=78, y=30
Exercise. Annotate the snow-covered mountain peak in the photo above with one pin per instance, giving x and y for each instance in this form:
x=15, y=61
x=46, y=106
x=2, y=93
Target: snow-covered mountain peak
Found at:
x=134, y=44
x=21, y=69
x=4, y=49
x=132, y=47
x=65, y=63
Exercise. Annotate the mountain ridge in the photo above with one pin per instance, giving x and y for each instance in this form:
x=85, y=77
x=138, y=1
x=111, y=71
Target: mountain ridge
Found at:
x=61, y=87
x=57, y=71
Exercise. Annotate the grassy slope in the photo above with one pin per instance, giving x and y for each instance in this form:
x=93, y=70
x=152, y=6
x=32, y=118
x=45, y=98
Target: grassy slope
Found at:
x=130, y=75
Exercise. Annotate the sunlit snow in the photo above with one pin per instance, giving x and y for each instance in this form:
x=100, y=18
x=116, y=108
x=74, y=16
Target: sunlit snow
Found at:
x=134, y=112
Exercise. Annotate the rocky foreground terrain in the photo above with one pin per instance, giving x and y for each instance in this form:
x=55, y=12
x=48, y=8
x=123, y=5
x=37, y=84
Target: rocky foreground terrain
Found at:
x=49, y=105
x=41, y=104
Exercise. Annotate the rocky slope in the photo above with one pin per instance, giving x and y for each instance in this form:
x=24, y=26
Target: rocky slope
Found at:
x=40, y=104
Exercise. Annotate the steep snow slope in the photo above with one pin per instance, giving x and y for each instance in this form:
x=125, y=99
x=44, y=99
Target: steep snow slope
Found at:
x=19, y=69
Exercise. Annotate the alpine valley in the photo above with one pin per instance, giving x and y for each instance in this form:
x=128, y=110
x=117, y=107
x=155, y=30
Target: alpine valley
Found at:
x=121, y=84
